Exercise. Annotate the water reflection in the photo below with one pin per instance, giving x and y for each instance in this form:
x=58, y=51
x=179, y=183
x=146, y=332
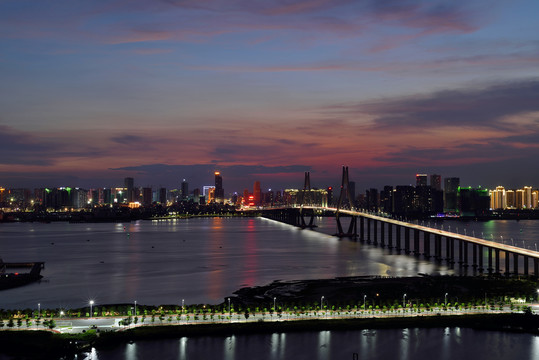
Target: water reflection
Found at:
x=404, y=344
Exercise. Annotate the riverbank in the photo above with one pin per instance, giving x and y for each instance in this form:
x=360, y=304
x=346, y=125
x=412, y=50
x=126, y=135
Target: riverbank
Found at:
x=47, y=345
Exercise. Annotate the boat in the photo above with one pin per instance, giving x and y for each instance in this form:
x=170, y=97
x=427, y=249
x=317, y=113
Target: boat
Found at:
x=10, y=277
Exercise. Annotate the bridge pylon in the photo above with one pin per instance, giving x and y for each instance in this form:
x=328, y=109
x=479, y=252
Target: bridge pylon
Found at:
x=345, y=192
x=306, y=200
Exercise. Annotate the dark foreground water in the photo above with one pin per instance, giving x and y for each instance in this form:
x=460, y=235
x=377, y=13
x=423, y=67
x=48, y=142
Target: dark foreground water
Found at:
x=403, y=344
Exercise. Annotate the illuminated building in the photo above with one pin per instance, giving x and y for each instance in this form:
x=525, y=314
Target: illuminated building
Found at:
x=219, y=191
x=436, y=182
x=535, y=199
x=421, y=180
x=510, y=199
x=473, y=202
x=257, y=193
x=527, y=200
x=184, y=194
x=2, y=194
x=497, y=198
x=210, y=196
x=317, y=197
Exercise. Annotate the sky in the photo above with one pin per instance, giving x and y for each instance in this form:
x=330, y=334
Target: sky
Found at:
x=165, y=90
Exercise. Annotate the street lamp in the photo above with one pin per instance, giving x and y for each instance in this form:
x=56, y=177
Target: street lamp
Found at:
x=39, y=309
x=91, y=304
x=274, y=303
x=445, y=299
x=364, y=301
x=229, y=305
x=135, y=307
x=322, y=299
x=403, y=300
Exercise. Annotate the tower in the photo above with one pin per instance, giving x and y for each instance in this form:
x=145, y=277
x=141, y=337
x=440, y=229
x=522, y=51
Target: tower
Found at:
x=184, y=190
x=128, y=185
x=257, y=193
x=219, y=191
x=421, y=180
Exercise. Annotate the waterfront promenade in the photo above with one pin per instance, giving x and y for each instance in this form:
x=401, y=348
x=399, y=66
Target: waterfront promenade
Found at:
x=74, y=325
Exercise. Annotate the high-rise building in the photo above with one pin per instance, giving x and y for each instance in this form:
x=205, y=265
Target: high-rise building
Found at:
x=421, y=180
x=436, y=182
x=163, y=196
x=498, y=198
x=147, y=196
x=257, y=193
x=129, y=186
x=510, y=199
x=184, y=190
x=451, y=186
x=219, y=191
x=372, y=199
x=352, y=187
x=527, y=197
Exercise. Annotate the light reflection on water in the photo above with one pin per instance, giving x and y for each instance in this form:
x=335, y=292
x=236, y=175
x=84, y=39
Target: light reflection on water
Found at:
x=200, y=260
x=403, y=344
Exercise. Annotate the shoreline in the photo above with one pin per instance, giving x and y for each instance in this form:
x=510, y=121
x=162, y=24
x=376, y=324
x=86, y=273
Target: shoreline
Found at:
x=48, y=345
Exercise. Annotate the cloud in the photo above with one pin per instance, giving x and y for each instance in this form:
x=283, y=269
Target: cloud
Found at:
x=483, y=107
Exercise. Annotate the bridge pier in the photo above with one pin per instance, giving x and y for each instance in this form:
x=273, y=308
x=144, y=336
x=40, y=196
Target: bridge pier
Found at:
x=465, y=245
x=382, y=233
x=368, y=231
x=375, y=230
x=515, y=263
x=438, y=247
x=389, y=236
x=497, y=260
x=474, y=256
x=407, y=240
x=507, y=256
x=398, y=245
x=426, y=245
x=526, y=272
x=461, y=256
x=361, y=228
x=416, y=242
x=480, y=251
x=536, y=267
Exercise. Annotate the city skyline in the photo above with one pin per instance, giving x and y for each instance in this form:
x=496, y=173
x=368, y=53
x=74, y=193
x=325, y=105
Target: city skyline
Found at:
x=166, y=90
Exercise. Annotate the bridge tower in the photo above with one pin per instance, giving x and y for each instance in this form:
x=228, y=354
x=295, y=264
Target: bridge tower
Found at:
x=306, y=200
x=345, y=191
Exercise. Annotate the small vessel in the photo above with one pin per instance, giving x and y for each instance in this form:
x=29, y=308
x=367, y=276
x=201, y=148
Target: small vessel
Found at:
x=13, y=278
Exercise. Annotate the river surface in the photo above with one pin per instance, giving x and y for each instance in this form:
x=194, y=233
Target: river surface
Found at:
x=398, y=344
x=205, y=260
x=202, y=260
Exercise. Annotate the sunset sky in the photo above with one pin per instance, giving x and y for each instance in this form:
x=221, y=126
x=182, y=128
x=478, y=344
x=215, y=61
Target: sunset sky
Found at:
x=161, y=90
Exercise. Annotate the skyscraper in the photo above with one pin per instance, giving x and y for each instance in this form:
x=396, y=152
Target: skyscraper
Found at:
x=436, y=181
x=451, y=186
x=219, y=191
x=184, y=190
x=421, y=180
x=257, y=193
x=128, y=185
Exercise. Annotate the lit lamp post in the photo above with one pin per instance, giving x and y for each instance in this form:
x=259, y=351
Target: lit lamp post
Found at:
x=403, y=300
x=274, y=299
x=182, y=304
x=39, y=309
x=322, y=299
x=91, y=305
x=445, y=300
x=229, y=306
x=364, y=302
x=135, y=307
